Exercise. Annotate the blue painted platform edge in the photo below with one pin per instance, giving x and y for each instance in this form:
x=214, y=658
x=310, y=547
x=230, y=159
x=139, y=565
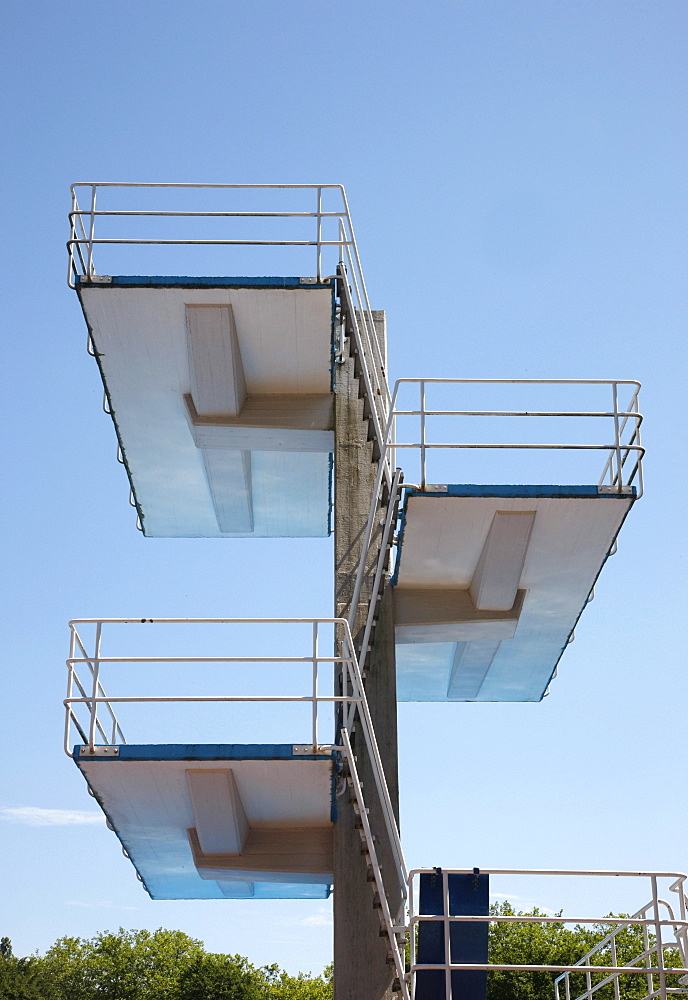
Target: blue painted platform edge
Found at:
x=200, y=751
x=520, y=490
x=186, y=281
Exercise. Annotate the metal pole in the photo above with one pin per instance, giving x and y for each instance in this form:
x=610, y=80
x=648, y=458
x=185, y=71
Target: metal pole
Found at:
x=95, y=669
x=617, y=439
x=89, y=262
x=422, y=433
x=315, y=688
x=319, y=236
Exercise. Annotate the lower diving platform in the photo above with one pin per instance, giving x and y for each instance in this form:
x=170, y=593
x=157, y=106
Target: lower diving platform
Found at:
x=209, y=820
x=219, y=821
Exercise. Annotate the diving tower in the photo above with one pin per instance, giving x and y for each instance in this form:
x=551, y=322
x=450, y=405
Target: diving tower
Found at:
x=221, y=388
x=242, y=405
x=490, y=579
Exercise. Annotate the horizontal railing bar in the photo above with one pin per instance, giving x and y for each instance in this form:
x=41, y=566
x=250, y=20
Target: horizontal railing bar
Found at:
x=207, y=243
x=191, y=184
x=550, y=447
x=619, y=969
x=528, y=919
x=679, y=876
x=211, y=659
x=210, y=698
x=173, y=214
x=520, y=381
x=209, y=621
x=518, y=413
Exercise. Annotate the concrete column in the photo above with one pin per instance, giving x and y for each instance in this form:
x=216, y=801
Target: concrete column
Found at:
x=361, y=970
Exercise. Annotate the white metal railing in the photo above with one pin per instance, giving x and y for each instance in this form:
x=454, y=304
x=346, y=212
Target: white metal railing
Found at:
x=622, y=450
x=85, y=236
x=661, y=925
x=86, y=702
x=92, y=702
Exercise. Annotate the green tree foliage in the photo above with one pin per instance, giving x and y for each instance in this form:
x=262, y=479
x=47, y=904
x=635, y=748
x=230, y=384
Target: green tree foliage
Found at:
x=128, y=965
x=221, y=977
x=140, y=965
x=20, y=978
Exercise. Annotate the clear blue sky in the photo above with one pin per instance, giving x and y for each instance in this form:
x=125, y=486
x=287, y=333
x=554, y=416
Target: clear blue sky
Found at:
x=516, y=172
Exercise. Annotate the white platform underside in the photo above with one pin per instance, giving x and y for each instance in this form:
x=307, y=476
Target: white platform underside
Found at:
x=442, y=545
x=284, y=336
x=149, y=804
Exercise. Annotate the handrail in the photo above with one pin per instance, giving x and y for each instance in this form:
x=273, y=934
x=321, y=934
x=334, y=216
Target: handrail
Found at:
x=649, y=918
x=96, y=697
x=626, y=442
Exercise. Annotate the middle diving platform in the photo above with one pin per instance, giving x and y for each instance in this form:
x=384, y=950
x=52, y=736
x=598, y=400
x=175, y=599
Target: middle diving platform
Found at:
x=211, y=819
x=495, y=561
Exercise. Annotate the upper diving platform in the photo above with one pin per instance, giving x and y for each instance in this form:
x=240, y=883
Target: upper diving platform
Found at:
x=220, y=388
x=500, y=544
x=210, y=819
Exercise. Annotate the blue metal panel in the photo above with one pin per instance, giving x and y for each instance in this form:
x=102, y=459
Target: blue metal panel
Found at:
x=468, y=896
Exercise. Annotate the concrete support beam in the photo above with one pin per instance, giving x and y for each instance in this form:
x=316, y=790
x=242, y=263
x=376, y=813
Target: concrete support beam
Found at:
x=288, y=854
x=215, y=366
x=268, y=423
x=442, y=614
x=229, y=478
x=498, y=573
x=472, y=660
x=221, y=824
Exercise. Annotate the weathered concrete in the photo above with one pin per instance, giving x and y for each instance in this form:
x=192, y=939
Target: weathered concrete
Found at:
x=360, y=950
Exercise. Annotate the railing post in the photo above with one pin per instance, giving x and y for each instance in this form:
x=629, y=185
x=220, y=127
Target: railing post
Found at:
x=70, y=690
x=658, y=939
x=588, y=979
x=447, y=936
x=89, y=261
x=95, y=669
x=617, y=439
x=615, y=961
x=314, y=711
x=422, y=433
x=319, y=236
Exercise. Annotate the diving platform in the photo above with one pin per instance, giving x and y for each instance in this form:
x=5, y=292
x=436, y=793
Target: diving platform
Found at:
x=490, y=580
x=221, y=388
x=209, y=820
x=219, y=821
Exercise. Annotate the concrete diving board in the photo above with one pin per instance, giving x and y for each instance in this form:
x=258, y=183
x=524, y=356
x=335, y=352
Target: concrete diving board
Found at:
x=490, y=582
x=219, y=821
x=221, y=394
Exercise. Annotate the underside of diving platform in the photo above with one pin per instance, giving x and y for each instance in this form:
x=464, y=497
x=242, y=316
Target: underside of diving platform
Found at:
x=490, y=582
x=221, y=394
x=219, y=821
